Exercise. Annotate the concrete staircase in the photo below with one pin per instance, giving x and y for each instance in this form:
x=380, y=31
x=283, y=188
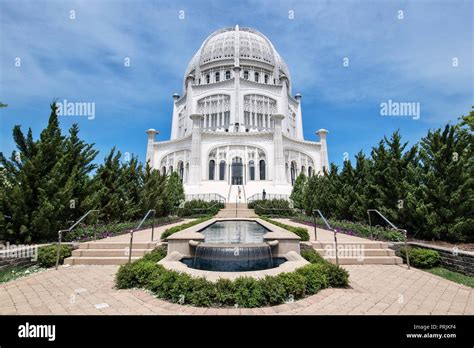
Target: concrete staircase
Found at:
x=358, y=253
x=233, y=210
x=108, y=253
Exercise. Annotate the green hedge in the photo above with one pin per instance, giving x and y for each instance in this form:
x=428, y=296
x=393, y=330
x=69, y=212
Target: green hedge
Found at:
x=272, y=207
x=47, y=255
x=244, y=291
x=299, y=231
x=199, y=207
x=168, y=232
x=354, y=229
x=421, y=258
x=83, y=234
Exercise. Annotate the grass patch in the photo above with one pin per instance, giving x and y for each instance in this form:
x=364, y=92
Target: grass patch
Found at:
x=299, y=231
x=18, y=272
x=452, y=276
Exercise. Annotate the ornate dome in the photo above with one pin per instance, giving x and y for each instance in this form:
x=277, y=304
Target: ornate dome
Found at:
x=251, y=45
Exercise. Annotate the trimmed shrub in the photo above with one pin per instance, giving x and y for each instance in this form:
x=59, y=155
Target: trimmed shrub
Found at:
x=244, y=291
x=299, y=231
x=272, y=207
x=315, y=279
x=273, y=291
x=421, y=258
x=312, y=256
x=199, y=207
x=248, y=292
x=294, y=284
x=47, y=255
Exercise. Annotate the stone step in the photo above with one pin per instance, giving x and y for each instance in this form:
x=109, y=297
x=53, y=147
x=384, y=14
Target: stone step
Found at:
x=366, y=245
x=108, y=252
x=113, y=260
x=363, y=251
x=367, y=260
x=117, y=245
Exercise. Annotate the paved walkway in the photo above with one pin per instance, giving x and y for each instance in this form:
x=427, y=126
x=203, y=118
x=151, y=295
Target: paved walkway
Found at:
x=375, y=289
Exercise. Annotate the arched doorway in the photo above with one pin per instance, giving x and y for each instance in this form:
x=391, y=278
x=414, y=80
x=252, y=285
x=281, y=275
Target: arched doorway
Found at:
x=237, y=171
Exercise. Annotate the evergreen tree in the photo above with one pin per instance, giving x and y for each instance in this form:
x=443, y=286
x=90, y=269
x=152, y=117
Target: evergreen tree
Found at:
x=174, y=192
x=153, y=194
x=297, y=193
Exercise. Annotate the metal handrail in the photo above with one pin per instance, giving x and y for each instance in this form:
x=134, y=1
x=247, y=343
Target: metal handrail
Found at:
x=329, y=228
x=138, y=226
x=393, y=227
x=60, y=232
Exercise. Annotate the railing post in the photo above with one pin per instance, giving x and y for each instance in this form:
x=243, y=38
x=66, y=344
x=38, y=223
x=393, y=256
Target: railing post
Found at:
x=335, y=242
x=406, y=249
x=315, y=229
x=153, y=227
x=370, y=226
x=60, y=233
x=130, y=248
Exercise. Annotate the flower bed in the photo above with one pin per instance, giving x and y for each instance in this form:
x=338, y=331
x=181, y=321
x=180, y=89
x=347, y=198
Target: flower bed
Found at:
x=354, y=229
x=84, y=234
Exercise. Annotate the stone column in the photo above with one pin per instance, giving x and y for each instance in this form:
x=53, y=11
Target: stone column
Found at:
x=195, y=160
x=299, y=118
x=150, y=152
x=278, y=165
x=322, y=133
x=235, y=117
x=174, y=125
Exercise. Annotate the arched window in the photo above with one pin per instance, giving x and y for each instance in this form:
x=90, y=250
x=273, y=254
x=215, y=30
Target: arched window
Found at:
x=212, y=167
x=170, y=170
x=208, y=78
x=218, y=76
x=293, y=172
x=252, y=170
x=303, y=170
x=310, y=172
x=222, y=170
x=266, y=78
x=227, y=75
x=246, y=74
x=181, y=170
x=187, y=172
x=256, y=77
x=262, y=169
x=163, y=170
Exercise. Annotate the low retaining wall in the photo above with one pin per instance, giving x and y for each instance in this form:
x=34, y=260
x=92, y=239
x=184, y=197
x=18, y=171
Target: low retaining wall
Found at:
x=453, y=259
x=7, y=263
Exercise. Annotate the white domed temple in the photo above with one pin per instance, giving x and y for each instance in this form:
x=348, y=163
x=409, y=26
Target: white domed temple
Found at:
x=237, y=124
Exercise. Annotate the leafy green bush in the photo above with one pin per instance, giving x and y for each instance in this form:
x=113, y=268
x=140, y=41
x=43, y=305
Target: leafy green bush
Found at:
x=421, y=258
x=312, y=256
x=198, y=207
x=47, y=255
x=299, y=231
x=168, y=232
x=244, y=291
x=247, y=292
x=272, y=207
x=315, y=279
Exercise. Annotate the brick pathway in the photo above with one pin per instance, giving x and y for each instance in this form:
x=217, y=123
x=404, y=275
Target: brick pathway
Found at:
x=375, y=289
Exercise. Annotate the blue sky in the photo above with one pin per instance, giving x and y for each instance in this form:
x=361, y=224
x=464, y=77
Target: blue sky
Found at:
x=408, y=60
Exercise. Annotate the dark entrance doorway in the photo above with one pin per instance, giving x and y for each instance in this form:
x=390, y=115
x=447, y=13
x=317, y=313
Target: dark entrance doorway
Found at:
x=237, y=171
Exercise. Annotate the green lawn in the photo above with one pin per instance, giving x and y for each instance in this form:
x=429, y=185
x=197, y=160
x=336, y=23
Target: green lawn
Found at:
x=453, y=276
